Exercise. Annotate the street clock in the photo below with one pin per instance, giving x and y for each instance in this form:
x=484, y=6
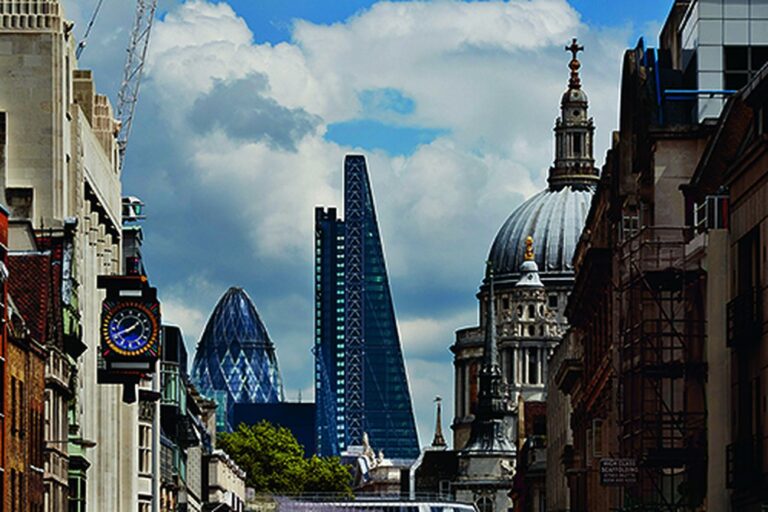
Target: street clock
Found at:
x=130, y=332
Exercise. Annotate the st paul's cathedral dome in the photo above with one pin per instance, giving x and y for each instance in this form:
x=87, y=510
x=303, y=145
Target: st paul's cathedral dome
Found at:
x=541, y=234
x=555, y=216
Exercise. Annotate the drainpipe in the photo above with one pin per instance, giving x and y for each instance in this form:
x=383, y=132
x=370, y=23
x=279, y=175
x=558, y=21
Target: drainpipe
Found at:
x=156, y=444
x=412, y=475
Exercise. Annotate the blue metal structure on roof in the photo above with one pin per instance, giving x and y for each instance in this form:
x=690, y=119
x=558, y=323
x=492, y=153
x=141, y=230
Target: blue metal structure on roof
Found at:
x=235, y=355
x=359, y=361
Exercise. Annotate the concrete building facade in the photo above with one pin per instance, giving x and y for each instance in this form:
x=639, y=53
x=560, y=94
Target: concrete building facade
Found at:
x=61, y=162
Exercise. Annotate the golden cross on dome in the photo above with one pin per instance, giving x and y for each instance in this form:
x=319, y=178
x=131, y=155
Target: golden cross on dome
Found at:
x=574, y=82
x=529, y=256
x=574, y=48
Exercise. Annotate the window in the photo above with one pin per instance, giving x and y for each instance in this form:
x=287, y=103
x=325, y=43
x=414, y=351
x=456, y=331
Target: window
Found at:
x=712, y=213
x=2, y=394
x=14, y=406
x=741, y=63
x=533, y=366
x=77, y=494
x=531, y=311
x=597, y=441
x=19, y=202
x=484, y=504
x=630, y=225
x=577, y=144
x=145, y=449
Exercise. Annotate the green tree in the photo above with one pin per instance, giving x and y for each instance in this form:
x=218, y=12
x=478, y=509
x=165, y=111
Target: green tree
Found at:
x=274, y=462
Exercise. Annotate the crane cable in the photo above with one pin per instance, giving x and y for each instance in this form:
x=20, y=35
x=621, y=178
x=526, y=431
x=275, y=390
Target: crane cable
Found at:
x=84, y=40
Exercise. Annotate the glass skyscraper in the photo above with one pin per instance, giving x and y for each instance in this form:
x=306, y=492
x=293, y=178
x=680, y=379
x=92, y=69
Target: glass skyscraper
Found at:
x=360, y=380
x=235, y=360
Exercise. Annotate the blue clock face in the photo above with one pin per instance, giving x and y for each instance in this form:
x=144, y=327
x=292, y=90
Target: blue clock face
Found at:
x=130, y=329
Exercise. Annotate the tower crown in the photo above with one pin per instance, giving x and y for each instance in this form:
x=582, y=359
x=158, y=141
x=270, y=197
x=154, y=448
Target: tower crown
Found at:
x=574, y=131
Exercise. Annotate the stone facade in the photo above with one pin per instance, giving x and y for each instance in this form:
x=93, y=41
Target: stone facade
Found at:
x=559, y=434
x=61, y=163
x=225, y=482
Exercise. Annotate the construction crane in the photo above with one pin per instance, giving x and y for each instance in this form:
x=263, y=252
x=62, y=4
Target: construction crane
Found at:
x=133, y=71
x=136, y=55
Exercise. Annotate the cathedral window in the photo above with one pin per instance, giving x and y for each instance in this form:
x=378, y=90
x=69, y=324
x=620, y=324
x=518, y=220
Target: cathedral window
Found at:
x=533, y=366
x=531, y=311
x=553, y=301
x=511, y=367
x=484, y=504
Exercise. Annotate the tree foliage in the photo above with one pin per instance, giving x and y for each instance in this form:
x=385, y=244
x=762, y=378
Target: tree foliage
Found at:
x=274, y=462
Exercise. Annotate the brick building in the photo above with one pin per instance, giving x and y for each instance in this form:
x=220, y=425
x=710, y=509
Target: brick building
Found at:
x=40, y=269
x=26, y=411
x=3, y=344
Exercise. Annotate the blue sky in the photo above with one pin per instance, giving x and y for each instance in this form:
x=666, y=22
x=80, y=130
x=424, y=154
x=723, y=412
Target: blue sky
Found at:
x=271, y=20
x=249, y=106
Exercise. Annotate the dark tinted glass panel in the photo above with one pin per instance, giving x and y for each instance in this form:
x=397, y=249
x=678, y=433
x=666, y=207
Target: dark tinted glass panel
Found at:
x=735, y=81
x=759, y=57
x=736, y=58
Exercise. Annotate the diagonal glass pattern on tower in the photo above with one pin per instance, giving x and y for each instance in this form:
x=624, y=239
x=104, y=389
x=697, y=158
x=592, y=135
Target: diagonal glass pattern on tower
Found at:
x=361, y=383
x=235, y=356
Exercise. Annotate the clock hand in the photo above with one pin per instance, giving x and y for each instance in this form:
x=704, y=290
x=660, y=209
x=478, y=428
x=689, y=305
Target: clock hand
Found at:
x=129, y=329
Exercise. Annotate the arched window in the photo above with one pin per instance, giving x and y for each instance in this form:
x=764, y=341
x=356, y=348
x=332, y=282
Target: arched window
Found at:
x=531, y=311
x=484, y=504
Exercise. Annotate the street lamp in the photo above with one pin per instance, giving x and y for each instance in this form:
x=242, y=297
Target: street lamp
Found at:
x=77, y=441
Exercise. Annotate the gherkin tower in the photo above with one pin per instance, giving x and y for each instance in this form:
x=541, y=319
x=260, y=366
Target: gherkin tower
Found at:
x=235, y=358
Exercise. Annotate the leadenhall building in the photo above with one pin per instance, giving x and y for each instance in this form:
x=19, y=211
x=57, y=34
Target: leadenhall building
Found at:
x=530, y=261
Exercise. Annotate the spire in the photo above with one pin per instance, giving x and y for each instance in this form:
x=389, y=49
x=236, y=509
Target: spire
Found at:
x=439, y=440
x=491, y=352
x=487, y=434
x=574, y=131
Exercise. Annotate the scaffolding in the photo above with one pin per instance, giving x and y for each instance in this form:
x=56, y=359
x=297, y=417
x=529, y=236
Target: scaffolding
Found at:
x=662, y=371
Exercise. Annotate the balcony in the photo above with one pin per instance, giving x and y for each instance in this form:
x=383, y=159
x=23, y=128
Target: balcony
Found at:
x=744, y=464
x=745, y=319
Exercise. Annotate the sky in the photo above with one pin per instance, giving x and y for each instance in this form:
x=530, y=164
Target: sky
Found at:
x=248, y=107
